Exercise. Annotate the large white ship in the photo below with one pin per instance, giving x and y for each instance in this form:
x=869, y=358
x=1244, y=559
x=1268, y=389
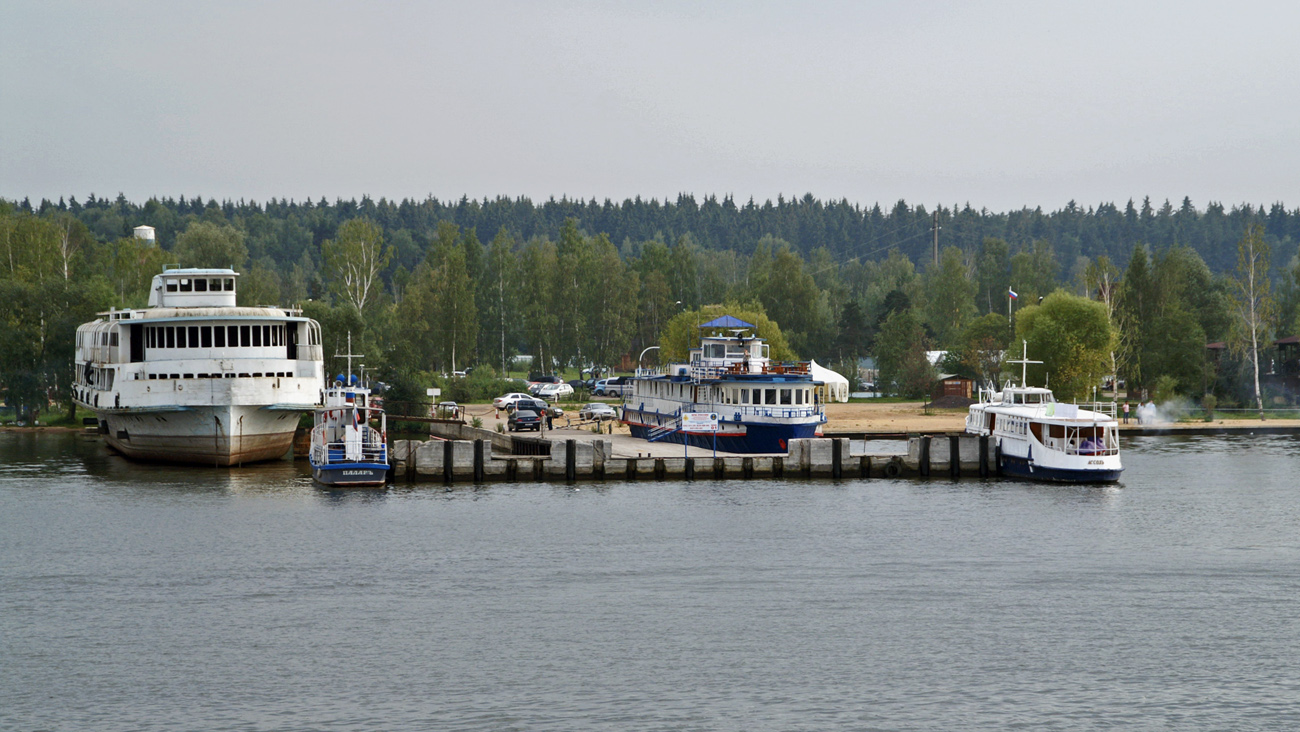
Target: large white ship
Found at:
x=195, y=379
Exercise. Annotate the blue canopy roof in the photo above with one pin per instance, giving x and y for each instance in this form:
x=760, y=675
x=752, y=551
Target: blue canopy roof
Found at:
x=727, y=321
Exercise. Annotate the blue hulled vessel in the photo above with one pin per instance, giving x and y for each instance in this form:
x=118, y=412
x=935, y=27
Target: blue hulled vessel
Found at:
x=347, y=449
x=760, y=405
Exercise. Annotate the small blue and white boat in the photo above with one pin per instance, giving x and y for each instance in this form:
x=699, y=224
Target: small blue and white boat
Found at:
x=346, y=448
x=1041, y=439
x=760, y=405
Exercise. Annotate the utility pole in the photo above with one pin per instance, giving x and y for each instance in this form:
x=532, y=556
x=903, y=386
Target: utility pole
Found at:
x=936, y=236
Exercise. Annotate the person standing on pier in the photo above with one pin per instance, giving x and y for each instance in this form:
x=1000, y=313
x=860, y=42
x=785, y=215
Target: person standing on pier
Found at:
x=1125, y=412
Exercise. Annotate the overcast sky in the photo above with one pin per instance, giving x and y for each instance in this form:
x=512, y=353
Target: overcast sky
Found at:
x=997, y=104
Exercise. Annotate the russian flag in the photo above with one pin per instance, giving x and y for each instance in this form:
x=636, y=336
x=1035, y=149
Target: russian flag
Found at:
x=1012, y=294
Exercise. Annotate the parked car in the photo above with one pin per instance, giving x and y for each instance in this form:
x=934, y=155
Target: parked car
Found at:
x=616, y=386
x=523, y=419
x=447, y=410
x=544, y=379
x=597, y=411
x=554, y=391
x=505, y=401
x=537, y=405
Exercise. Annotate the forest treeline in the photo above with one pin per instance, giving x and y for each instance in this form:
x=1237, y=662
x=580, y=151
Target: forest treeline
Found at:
x=430, y=287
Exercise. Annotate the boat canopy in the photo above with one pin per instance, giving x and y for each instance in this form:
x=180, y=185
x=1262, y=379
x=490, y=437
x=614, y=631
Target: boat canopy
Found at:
x=727, y=321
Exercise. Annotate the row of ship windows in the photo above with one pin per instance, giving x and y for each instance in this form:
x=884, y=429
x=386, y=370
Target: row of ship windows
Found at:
x=215, y=284
x=1013, y=425
x=85, y=339
x=208, y=336
x=736, y=395
x=255, y=375
x=733, y=395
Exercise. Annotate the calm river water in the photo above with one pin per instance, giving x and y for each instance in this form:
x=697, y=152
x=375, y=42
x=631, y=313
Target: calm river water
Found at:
x=137, y=597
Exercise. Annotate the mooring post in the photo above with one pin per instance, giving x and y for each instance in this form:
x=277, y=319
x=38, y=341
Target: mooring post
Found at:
x=570, y=460
x=984, y=456
x=954, y=456
x=837, y=451
x=447, y=448
x=923, y=460
x=478, y=461
x=690, y=468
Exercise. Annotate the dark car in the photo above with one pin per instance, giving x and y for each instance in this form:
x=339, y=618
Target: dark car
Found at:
x=537, y=405
x=523, y=419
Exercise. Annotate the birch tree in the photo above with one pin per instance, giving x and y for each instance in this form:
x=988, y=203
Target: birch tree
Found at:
x=1253, y=303
x=354, y=259
x=1102, y=276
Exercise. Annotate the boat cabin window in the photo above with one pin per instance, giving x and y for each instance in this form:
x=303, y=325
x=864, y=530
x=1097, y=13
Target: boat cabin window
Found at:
x=186, y=285
x=171, y=285
x=771, y=396
x=230, y=284
x=200, y=285
x=785, y=396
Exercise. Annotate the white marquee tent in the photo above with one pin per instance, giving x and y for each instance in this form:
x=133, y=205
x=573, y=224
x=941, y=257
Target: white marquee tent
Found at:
x=835, y=388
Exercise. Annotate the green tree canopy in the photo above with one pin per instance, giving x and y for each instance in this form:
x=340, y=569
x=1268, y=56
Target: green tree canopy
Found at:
x=206, y=244
x=1072, y=336
x=951, y=302
x=901, y=358
x=682, y=333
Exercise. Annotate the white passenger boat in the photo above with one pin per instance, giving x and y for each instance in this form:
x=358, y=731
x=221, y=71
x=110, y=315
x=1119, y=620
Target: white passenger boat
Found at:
x=760, y=405
x=195, y=379
x=1041, y=439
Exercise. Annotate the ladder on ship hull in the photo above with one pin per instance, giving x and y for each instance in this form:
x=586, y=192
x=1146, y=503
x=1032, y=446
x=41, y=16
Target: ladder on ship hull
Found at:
x=656, y=434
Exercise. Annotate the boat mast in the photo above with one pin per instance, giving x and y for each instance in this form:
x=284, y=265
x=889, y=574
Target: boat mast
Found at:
x=1024, y=364
x=349, y=356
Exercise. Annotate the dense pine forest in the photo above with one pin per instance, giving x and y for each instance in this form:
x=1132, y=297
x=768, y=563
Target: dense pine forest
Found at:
x=431, y=287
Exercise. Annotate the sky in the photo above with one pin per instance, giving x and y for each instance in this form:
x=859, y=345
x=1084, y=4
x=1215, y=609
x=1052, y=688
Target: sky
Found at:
x=996, y=105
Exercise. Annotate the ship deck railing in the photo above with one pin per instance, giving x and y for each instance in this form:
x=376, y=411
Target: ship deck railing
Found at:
x=729, y=412
x=1078, y=447
x=373, y=449
x=1106, y=408
x=701, y=373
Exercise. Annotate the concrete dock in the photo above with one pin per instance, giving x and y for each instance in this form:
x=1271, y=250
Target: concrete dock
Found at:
x=477, y=455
